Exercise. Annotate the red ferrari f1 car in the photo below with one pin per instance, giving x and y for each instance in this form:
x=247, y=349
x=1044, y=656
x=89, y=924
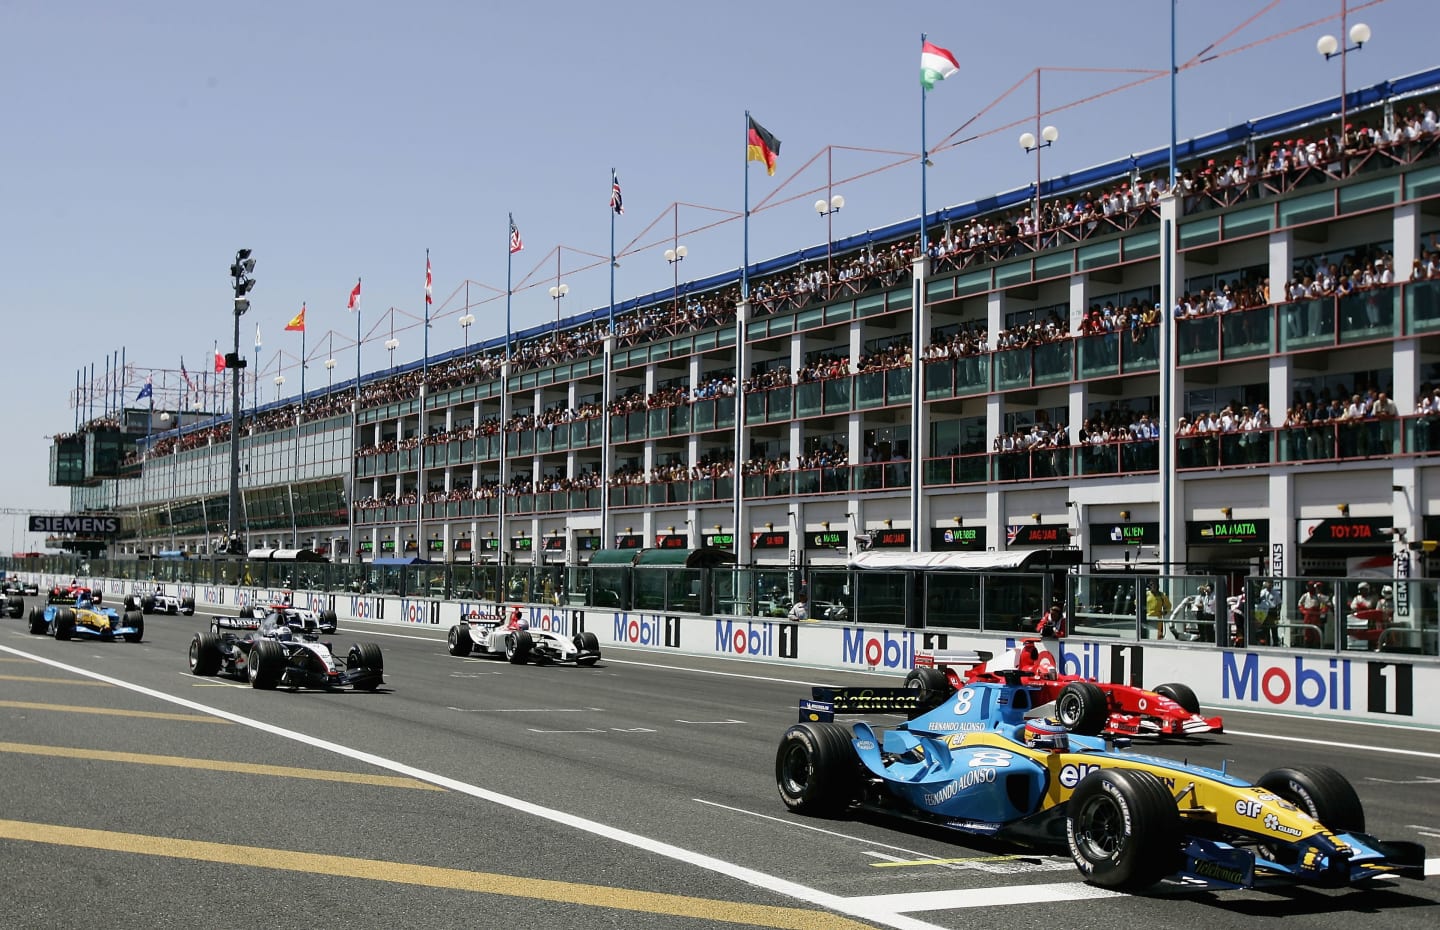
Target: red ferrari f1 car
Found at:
x=1083, y=705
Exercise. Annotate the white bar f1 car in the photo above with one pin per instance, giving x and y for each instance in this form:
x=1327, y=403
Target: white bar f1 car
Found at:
x=270, y=652
x=159, y=602
x=518, y=643
x=311, y=621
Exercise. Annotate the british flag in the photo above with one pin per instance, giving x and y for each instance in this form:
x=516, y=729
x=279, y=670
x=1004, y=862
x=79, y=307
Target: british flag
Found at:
x=1012, y=532
x=616, y=203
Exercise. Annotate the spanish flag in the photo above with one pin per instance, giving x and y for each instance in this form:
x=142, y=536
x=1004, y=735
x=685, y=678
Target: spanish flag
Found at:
x=297, y=322
x=760, y=145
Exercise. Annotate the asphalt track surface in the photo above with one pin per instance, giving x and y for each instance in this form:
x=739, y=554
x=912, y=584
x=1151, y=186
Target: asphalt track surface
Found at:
x=468, y=792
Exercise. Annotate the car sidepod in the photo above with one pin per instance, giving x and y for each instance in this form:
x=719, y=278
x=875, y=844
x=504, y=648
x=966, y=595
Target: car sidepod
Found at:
x=947, y=778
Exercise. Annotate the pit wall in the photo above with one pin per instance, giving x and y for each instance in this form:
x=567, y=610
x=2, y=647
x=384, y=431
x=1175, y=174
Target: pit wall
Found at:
x=1364, y=686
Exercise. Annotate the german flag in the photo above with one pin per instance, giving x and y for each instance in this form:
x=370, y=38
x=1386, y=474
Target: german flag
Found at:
x=760, y=145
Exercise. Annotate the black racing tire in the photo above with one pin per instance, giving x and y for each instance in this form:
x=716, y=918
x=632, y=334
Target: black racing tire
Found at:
x=1123, y=829
x=205, y=653
x=136, y=619
x=15, y=606
x=816, y=769
x=1081, y=708
x=933, y=686
x=131, y=603
x=369, y=656
x=147, y=605
x=460, y=643
x=366, y=656
x=1321, y=792
x=328, y=618
x=38, y=625
x=587, y=642
x=1180, y=694
x=187, y=606
x=266, y=664
x=64, y=623
x=518, y=646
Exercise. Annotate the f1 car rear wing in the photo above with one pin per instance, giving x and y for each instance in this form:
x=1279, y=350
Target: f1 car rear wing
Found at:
x=940, y=658
x=235, y=623
x=825, y=703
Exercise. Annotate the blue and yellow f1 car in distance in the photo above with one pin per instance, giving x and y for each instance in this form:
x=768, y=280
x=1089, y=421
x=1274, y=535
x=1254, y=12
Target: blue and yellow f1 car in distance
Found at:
x=978, y=766
x=86, y=620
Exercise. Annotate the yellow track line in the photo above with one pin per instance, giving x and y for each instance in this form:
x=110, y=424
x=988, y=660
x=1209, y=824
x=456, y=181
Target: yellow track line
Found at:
x=572, y=893
x=218, y=765
x=112, y=712
x=58, y=681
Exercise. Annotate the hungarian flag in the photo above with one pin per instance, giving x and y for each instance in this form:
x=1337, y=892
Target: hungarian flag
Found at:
x=616, y=203
x=429, y=281
x=936, y=64
x=515, y=244
x=147, y=391
x=219, y=362
x=297, y=322
x=354, y=303
x=760, y=145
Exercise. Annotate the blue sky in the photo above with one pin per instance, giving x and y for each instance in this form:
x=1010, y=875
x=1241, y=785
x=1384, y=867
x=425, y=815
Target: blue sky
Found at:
x=147, y=141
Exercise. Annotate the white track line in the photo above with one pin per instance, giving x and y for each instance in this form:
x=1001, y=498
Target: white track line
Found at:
x=1367, y=747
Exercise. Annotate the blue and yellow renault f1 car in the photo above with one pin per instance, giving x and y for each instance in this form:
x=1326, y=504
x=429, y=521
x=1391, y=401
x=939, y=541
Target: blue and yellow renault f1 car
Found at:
x=978, y=765
x=83, y=619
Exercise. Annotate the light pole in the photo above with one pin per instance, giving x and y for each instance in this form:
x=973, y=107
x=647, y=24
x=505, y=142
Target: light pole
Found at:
x=675, y=256
x=828, y=209
x=467, y=321
x=557, y=294
x=1029, y=143
x=279, y=383
x=330, y=370
x=240, y=271
x=392, y=344
x=1329, y=46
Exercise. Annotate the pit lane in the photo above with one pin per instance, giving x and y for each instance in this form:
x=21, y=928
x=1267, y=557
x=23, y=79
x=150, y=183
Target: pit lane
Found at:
x=657, y=769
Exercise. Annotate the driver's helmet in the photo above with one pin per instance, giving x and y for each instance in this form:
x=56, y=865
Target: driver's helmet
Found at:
x=83, y=602
x=1045, y=734
x=282, y=631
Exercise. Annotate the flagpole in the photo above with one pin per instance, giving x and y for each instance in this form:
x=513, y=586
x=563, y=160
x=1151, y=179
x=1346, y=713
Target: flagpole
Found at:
x=357, y=353
x=509, y=263
x=302, y=368
x=924, y=163
x=745, y=257
x=607, y=387
x=420, y=490
x=501, y=589
x=425, y=363
x=614, y=179
x=742, y=313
